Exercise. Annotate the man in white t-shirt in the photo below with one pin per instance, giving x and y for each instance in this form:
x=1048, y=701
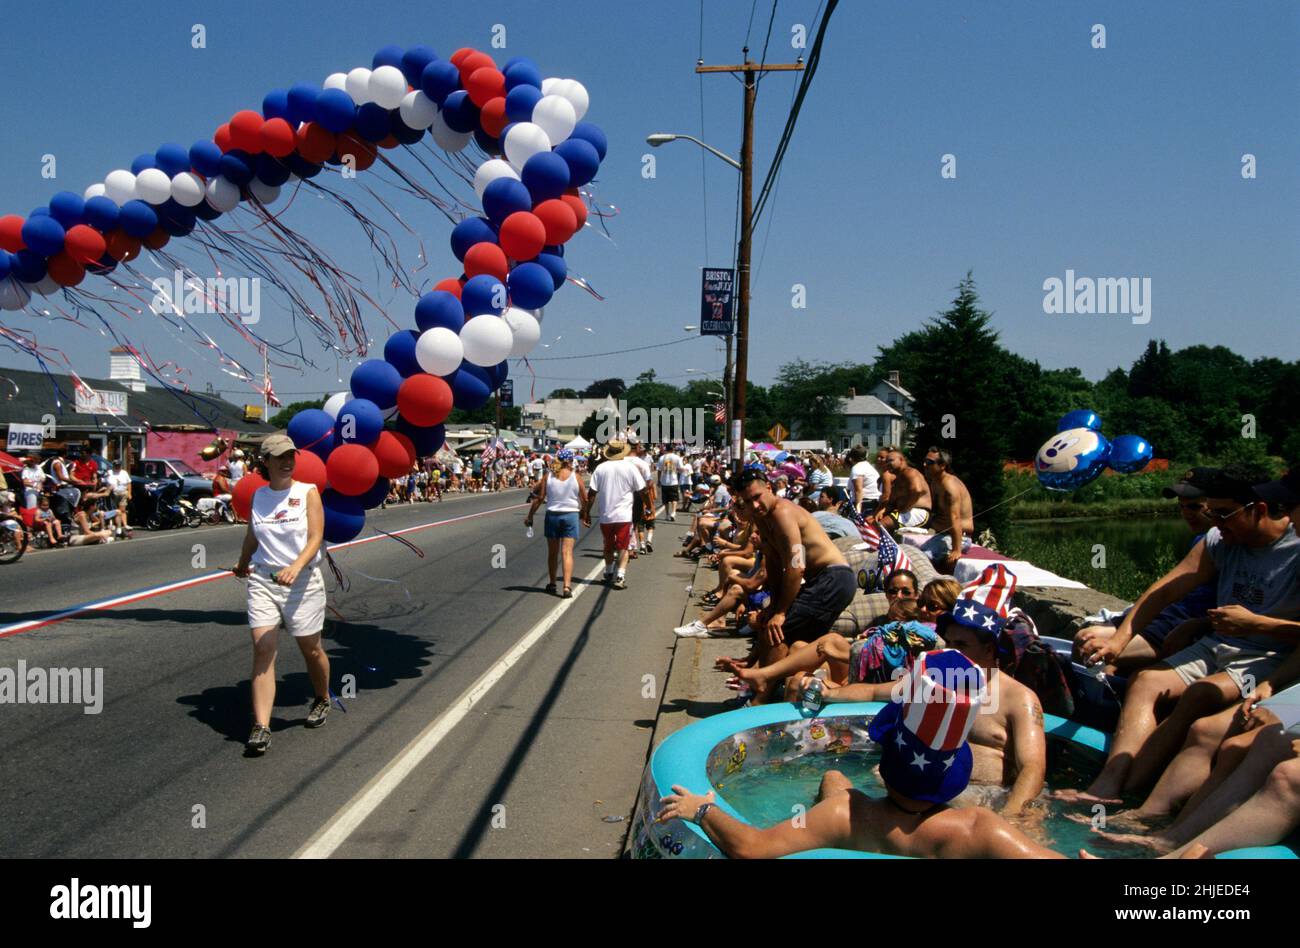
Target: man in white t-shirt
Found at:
x=236, y=466
x=119, y=485
x=643, y=506
x=864, y=482
x=670, y=467
x=614, y=483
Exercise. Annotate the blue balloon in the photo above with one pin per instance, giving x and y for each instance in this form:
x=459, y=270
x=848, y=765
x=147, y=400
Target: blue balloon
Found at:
x=483, y=294
x=460, y=114
x=427, y=441
x=143, y=163
x=312, y=430
x=137, y=219
x=520, y=101
x=377, y=381
x=439, y=308
x=175, y=219
x=43, y=235
x=375, y=496
x=373, y=122
x=471, y=386
x=489, y=144
x=302, y=102
x=498, y=373
x=593, y=134
x=1080, y=418
x=300, y=166
x=520, y=72
x=555, y=249
x=344, y=516
x=546, y=175
x=531, y=285
x=6, y=263
x=237, y=167
x=28, y=266
x=581, y=157
x=399, y=351
x=413, y=63
x=205, y=211
x=401, y=131
x=67, y=208
x=275, y=104
x=101, y=213
x=390, y=55
x=335, y=110
x=39, y=212
x=172, y=159
x=205, y=158
x=555, y=266
x=272, y=170
x=1071, y=458
x=471, y=231
x=1130, y=453
x=439, y=80
x=360, y=421
x=504, y=197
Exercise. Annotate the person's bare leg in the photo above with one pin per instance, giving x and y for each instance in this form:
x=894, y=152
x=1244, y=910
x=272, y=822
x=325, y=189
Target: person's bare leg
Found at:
x=552, y=559
x=1263, y=820
x=262, y=684
x=801, y=658
x=1207, y=696
x=1138, y=654
x=833, y=782
x=318, y=663
x=566, y=546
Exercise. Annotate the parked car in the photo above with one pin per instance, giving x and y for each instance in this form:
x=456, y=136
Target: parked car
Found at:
x=193, y=484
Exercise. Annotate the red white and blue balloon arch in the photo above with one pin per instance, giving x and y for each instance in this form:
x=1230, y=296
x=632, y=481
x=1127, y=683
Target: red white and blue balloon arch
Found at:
x=538, y=153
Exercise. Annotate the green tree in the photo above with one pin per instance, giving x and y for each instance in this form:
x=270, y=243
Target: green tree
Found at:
x=563, y=393
x=282, y=418
x=602, y=387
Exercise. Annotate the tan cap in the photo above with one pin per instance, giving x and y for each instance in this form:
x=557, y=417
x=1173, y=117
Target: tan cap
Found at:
x=273, y=445
x=616, y=450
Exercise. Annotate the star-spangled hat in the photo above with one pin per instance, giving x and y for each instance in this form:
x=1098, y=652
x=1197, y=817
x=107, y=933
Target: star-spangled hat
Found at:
x=922, y=738
x=983, y=605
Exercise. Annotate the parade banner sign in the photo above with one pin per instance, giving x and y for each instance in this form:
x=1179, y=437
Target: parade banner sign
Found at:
x=715, y=302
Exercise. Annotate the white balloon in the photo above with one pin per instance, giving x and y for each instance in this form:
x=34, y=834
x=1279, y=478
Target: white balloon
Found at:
x=266, y=193
x=417, y=110
x=13, y=295
x=491, y=170
x=548, y=85
x=439, y=351
x=187, y=189
x=555, y=115
x=334, y=404
x=153, y=186
x=527, y=331
x=487, y=340
x=358, y=85
x=576, y=93
x=445, y=137
x=95, y=190
x=524, y=140
x=387, y=87
x=119, y=186
x=46, y=286
x=222, y=194
x=336, y=80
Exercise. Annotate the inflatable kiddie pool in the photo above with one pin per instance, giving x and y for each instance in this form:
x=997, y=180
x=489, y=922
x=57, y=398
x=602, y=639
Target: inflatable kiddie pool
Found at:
x=709, y=754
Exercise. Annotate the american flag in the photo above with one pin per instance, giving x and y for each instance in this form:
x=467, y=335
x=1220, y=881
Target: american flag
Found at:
x=945, y=696
x=719, y=412
x=889, y=555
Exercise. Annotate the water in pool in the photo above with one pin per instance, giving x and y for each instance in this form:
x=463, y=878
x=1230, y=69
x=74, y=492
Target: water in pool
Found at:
x=766, y=794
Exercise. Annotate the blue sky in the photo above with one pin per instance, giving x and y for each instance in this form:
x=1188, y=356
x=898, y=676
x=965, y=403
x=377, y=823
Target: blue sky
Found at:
x=1114, y=162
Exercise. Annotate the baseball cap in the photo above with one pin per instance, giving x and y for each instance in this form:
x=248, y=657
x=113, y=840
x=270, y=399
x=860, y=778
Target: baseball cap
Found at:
x=1194, y=483
x=273, y=445
x=1284, y=491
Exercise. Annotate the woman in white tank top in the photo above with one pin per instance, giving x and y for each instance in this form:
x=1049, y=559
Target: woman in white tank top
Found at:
x=280, y=563
x=564, y=495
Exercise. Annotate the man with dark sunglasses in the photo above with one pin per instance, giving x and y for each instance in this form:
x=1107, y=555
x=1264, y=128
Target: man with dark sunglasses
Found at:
x=953, y=519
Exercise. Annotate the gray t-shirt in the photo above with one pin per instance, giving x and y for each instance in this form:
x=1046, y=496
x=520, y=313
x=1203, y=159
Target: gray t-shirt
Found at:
x=1265, y=579
x=835, y=525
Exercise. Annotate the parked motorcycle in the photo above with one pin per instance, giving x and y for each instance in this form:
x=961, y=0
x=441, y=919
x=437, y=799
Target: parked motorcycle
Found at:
x=216, y=510
x=163, y=508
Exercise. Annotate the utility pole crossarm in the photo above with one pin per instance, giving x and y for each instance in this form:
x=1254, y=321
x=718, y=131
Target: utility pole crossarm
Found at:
x=754, y=67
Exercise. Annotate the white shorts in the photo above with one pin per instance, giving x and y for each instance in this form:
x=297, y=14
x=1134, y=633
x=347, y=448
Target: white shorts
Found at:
x=301, y=607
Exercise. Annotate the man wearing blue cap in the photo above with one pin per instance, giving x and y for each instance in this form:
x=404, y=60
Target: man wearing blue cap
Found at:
x=925, y=761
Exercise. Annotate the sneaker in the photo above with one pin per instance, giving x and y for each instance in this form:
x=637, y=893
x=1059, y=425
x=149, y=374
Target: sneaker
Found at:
x=259, y=740
x=695, y=630
x=316, y=716
x=620, y=582
x=649, y=547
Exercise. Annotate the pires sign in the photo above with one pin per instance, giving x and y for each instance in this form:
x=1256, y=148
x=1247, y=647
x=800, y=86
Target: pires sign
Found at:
x=25, y=439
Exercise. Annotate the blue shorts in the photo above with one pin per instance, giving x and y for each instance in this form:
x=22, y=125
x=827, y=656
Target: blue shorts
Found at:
x=560, y=526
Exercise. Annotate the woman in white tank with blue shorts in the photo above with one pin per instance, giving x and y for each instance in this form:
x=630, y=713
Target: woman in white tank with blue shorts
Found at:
x=564, y=494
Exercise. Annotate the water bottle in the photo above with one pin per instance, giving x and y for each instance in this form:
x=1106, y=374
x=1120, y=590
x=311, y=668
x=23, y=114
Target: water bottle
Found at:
x=813, y=692
x=529, y=532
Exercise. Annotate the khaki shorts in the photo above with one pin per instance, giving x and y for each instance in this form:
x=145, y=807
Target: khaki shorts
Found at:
x=301, y=607
x=1210, y=655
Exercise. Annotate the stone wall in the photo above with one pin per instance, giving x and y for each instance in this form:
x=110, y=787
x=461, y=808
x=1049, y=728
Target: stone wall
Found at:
x=1059, y=612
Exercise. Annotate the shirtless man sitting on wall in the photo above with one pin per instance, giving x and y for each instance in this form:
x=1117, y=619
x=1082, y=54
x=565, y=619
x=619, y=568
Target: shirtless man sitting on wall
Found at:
x=909, y=496
x=952, y=521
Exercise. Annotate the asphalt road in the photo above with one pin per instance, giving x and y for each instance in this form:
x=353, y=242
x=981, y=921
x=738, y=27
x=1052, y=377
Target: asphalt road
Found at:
x=543, y=764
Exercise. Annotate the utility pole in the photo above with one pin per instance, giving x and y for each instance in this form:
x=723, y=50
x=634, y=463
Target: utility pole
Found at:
x=749, y=70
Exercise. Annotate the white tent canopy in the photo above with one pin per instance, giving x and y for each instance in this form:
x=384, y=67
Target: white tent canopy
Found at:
x=578, y=444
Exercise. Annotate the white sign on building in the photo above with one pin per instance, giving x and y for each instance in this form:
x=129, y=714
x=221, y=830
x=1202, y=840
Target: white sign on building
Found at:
x=24, y=439
x=92, y=402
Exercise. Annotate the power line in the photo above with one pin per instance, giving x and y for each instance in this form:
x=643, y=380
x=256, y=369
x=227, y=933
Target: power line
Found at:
x=594, y=355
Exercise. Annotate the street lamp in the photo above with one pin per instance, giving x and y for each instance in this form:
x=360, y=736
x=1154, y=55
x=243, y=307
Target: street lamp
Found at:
x=663, y=138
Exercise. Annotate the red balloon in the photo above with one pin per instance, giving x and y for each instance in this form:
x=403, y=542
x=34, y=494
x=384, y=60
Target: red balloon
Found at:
x=493, y=117
x=471, y=64
x=485, y=257
x=522, y=235
x=389, y=141
x=394, y=457
x=457, y=57
x=246, y=131
x=485, y=84
x=424, y=400
x=84, y=244
x=278, y=139
x=241, y=498
x=579, y=206
x=558, y=218
x=352, y=469
x=122, y=246
x=158, y=239
x=223, y=137
x=310, y=469
x=315, y=142
x=11, y=233
x=65, y=270
x=450, y=285
x=363, y=152
x=407, y=443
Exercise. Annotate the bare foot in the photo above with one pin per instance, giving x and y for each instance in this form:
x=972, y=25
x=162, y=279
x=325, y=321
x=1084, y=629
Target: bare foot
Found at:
x=1196, y=851
x=1157, y=843
x=1083, y=796
x=757, y=682
x=1084, y=854
x=733, y=665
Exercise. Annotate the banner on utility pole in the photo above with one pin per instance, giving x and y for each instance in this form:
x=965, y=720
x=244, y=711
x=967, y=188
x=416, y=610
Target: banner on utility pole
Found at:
x=715, y=302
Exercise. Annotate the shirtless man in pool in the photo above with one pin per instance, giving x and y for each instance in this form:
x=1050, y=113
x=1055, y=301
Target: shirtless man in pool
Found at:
x=909, y=496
